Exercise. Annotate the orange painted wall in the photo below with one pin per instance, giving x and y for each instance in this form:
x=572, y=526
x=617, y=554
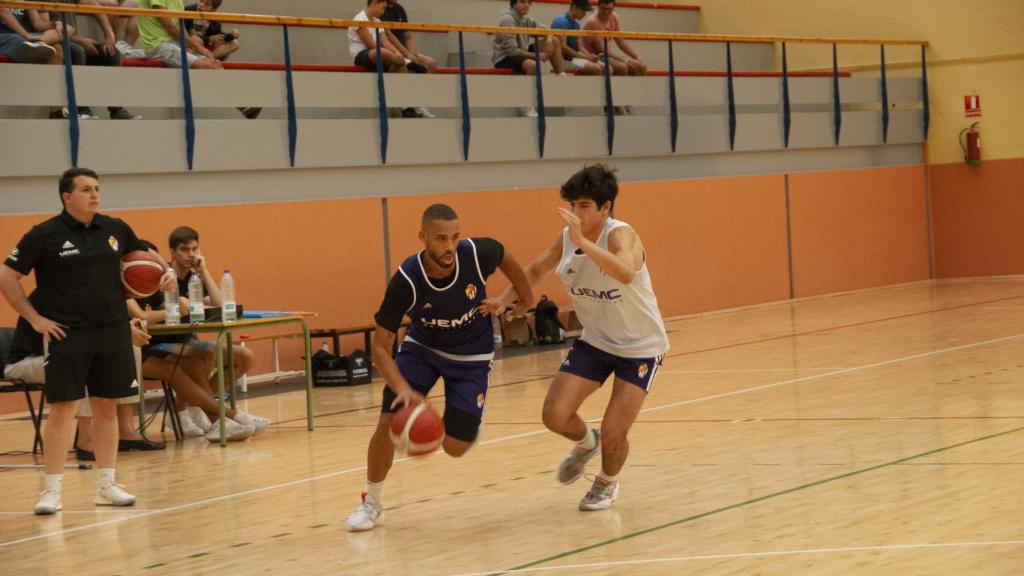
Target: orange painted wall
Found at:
x=858, y=229
x=712, y=243
x=978, y=218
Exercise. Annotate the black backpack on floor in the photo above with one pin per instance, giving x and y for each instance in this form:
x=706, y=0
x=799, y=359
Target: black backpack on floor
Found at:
x=546, y=325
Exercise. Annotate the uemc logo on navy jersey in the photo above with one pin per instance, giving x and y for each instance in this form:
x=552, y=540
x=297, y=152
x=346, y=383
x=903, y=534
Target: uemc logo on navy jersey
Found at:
x=602, y=295
x=449, y=324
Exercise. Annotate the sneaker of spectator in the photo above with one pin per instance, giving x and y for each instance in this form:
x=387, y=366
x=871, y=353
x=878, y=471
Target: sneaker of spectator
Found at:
x=250, y=112
x=118, y=113
x=63, y=114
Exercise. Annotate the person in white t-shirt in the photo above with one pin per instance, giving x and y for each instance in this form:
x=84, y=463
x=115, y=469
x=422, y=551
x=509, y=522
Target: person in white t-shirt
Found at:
x=363, y=48
x=603, y=266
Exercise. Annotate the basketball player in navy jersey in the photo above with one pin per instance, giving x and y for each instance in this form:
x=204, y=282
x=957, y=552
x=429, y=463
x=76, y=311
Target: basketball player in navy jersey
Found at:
x=442, y=290
x=602, y=263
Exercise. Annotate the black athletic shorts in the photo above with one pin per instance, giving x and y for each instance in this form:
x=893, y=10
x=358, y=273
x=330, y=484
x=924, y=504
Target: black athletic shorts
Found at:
x=515, y=62
x=100, y=359
x=363, y=59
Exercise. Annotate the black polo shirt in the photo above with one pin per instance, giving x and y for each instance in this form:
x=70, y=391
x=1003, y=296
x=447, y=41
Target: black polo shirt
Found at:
x=78, y=269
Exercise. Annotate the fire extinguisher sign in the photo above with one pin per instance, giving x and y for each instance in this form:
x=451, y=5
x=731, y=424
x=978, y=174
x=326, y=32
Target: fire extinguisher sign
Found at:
x=972, y=106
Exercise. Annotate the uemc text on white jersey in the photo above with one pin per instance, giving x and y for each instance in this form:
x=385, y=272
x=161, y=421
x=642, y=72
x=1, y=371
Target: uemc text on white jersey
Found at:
x=447, y=319
x=621, y=319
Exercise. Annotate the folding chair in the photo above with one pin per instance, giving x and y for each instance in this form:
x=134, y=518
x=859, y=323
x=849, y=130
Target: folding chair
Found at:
x=15, y=385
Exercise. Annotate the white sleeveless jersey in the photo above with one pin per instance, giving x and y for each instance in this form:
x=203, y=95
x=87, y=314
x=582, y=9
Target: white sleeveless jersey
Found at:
x=620, y=319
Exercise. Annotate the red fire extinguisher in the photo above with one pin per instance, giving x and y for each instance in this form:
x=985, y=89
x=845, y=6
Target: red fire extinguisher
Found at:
x=971, y=144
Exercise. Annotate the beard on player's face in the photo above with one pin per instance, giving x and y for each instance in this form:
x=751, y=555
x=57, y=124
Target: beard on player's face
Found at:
x=444, y=259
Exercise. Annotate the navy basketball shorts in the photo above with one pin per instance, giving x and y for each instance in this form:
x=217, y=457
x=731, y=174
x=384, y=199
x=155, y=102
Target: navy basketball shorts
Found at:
x=99, y=359
x=465, y=384
x=591, y=363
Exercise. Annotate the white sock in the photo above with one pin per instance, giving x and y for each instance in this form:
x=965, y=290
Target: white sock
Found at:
x=374, y=489
x=606, y=478
x=53, y=482
x=104, y=477
x=589, y=441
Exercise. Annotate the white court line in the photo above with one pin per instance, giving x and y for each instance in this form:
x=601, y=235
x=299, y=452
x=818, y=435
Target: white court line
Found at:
x=754, y=370
x=502, y=439
x=840, y=550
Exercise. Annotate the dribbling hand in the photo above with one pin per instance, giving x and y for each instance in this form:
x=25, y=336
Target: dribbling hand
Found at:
x=407, y=397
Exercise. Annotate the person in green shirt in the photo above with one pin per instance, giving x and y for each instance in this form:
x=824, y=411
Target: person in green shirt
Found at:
x=160, y=38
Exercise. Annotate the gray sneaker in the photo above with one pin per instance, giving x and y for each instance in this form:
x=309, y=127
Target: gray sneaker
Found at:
x=575, y=462
x=122, y=114
x=600, y=496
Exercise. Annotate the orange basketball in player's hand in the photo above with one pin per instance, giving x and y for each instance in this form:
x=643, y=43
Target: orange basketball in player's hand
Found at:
x=140, y=273
x=417, y=430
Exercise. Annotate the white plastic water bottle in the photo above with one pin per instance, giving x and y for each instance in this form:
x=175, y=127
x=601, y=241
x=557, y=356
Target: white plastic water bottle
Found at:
x=227, y=294
x=171, y=313
x=195, y=299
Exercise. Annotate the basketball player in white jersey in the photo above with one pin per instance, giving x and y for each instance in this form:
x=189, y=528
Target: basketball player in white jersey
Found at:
x=602, y=263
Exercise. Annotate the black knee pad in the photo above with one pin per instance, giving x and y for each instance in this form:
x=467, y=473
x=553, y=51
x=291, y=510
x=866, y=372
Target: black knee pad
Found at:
x=461, y=425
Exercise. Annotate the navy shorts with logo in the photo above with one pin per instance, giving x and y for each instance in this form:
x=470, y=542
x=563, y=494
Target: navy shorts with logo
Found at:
x=465, y=384
x=99, y=358
x=590, y=363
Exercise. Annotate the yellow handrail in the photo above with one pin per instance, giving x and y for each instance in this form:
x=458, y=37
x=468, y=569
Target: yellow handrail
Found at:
x=309, y=22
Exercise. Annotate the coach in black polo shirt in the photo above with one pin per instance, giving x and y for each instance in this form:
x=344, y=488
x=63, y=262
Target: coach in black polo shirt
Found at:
x=79, y=308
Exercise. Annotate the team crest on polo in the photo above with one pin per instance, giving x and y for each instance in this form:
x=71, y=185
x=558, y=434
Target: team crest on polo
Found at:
x=642, y=370
x=480, y=400
x=471, y=291
x=113, y=243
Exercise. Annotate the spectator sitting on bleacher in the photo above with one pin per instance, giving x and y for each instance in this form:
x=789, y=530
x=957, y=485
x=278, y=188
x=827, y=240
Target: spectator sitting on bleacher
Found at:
x=160, y=38
x=221, y=44
x=405, y=43
x=607, y=20
x=20, y=42
x=362, y=47
x=85, y=50
x=519, y=51
x=27, y=361
x=577, y=58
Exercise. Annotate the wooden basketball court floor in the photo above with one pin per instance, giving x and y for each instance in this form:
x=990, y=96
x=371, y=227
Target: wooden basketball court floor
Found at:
x=874, y=432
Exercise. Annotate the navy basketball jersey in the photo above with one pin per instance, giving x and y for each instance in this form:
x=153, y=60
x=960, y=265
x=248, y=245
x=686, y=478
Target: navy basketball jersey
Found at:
x=447, y=319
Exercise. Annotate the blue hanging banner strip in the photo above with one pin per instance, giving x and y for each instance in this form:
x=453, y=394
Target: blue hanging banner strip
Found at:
x=464, y=85
x=186, y=87
x=69, y=80
x=885, y=101
x=926, y=113
x=673, y=107
x=609, y=101
x=732, y=96
x=837, y=111
x=293, y=127
x=382, y=100
x=541, y=118
x=787, y=115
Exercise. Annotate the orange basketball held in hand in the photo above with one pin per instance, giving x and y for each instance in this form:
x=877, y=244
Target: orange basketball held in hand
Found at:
x=140, y=273
x=417, y=430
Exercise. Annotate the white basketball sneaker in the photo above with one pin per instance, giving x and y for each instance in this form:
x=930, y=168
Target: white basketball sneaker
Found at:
x=258, y=423
x=49, y=502
x=233, y=431
x=200, y=417
x=368, y=514
x=600, y=496
x=189, y=428
x=575, y=462
x=113, y=495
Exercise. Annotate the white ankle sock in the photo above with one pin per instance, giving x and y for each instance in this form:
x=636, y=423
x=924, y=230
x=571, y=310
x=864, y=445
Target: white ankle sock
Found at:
x=374, y=489
x=607, y=478
x=589, y=441
x=53, y=482
x=104, y=477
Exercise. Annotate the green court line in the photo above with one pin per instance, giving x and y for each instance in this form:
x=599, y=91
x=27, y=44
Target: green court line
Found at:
x=154, y=565
x=747, y=502
x=199, y=555
x=240, y=544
